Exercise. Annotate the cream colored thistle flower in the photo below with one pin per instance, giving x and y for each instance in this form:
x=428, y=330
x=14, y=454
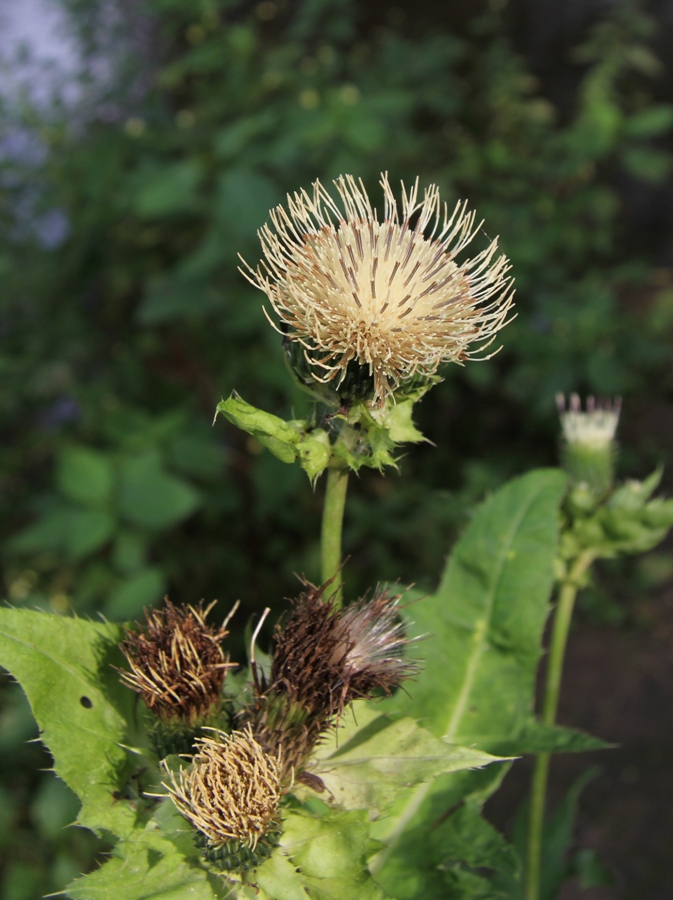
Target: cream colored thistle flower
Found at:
x=383, y=295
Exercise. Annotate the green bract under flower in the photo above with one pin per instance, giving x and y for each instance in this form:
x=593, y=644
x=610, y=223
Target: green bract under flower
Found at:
x=374, y=304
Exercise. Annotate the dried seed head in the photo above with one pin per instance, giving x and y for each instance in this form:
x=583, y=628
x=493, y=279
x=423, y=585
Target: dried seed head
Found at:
x=177, y=663
x=231, y=791
x=324, y=659
x=384, y=297
x=371, y=640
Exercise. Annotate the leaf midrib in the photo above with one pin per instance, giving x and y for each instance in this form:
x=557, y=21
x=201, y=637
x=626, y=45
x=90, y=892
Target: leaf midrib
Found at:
x=483, y=626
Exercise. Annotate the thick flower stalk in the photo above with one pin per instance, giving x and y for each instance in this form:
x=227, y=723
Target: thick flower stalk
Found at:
x=325, y=658
x=369, y=305
x=589, y=446
x=230, y=794
x=178, y=666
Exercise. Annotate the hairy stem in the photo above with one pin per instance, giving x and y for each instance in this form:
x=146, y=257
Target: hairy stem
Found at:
x=559, y=639
x=332, y=525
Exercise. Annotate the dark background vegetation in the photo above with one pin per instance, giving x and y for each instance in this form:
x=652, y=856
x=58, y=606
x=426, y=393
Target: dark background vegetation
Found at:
x=123, y=321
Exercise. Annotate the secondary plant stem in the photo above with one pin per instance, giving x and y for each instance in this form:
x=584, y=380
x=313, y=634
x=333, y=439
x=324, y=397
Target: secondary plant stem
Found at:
x=332, y=524
x=559, y=638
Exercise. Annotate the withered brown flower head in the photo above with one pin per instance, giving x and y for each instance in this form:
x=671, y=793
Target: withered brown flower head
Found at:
x=327, y=657
x=386, y=296
x=232, y=790
x=177, y=663
x=324, y=658
x=371, y=640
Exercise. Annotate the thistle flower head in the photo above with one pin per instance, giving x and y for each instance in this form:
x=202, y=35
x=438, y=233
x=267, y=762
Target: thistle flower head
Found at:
x=231, y=791
x=388, y=298
x=596, y=426
x=589, y=442
x=324, y=658
x=177, y=662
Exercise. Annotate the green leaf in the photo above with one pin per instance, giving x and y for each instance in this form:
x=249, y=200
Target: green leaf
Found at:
x=484, y=628
x=84, y=475
x=70, y=530
x=65, y=668
x=370, y=758
x=288, y=441
x=650, y=122
x=143, y=588
x=63, y=665
x=280, y=879
x=150, y=497
x=271, y=431
x=314, y=453
x=534, y=737
x=484, y=625
x=167, y=189
x=87, y=530
x=151, y=870
x=648, y=164
x=397, y=418
x=330, y=853
x=417, y=864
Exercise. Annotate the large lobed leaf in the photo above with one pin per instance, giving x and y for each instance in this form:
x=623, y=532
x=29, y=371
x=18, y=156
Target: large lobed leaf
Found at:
x=483, y=631
x=86, y=717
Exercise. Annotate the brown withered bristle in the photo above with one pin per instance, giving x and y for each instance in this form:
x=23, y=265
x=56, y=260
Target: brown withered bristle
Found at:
x=231, y=791
x=324, y=659
x=305, y=647
x=371, y=640
x=177, y=662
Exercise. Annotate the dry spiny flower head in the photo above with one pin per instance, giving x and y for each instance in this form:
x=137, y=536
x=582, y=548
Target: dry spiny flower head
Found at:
x=371, y=640
x=231, y=792
x=324, y=658
x=386, y=298
x=177, y=663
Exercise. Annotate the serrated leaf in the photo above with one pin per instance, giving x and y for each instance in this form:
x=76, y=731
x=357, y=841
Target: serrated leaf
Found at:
x=484, y=625
x=484, y=629
x=330, y=854
x=63, y=665
x=152, y=870
x=534, y=737
x=397, y=419
x=280, y=879
x=371, y=757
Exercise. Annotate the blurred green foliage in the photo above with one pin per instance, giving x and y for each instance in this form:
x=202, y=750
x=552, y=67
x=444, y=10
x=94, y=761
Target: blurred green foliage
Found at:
x=120, y=336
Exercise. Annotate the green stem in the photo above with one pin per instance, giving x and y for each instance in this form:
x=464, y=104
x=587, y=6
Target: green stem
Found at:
x=332, y=524
x=559, y=639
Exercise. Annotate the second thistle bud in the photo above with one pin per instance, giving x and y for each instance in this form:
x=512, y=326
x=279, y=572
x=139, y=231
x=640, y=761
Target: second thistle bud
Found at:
x=589, y=446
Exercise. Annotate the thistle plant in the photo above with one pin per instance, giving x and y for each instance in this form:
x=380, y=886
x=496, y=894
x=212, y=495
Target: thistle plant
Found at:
x=353, y=760
x=368, y=311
